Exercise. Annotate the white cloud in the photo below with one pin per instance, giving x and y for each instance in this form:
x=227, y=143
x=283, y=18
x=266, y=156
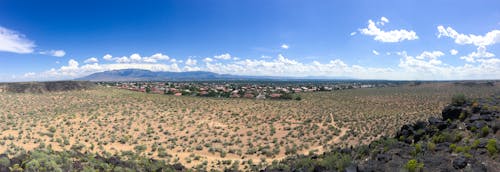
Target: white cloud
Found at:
x=107, y=57
x=489, y=38
x=56, y=53
x=427, y=66
x=387, y=36
x=74, y=70
x=123, y=59
x=208, y=60
x=375, y=52
x=72, y=65
x=453, y=52
x=11, y=41
x=384, y=20
x=284, y=46
x=191, y=68
x=155, y=58
x=191, y=62
x=29, y=74
x=430, y=55
x=480, y=53
x=353, y=33
x=282, y=66
x=91, y=60
x=226, y=56
x=135, y=57
x=481, y=41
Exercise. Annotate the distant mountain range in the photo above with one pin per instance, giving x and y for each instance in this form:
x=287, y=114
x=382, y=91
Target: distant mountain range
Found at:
x=146, y=75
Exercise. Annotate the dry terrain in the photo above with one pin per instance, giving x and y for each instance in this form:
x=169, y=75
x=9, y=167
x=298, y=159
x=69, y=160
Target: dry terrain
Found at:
x=215, y=133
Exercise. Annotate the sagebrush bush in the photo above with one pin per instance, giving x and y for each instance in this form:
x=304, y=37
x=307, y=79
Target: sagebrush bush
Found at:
x=458, y=99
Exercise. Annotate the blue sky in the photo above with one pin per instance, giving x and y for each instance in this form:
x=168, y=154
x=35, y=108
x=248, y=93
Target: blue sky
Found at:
x=431, y=40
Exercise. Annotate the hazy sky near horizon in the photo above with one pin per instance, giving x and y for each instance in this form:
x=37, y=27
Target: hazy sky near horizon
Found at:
x=403, y=40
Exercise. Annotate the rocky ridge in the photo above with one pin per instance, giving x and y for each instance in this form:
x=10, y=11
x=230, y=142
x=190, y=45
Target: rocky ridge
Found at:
x=465, y=138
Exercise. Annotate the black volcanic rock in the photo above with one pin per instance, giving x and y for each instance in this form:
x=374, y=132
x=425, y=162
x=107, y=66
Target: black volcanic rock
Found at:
x=460, y=162
x=440, y=124
x=451, y=112
x=441, y=144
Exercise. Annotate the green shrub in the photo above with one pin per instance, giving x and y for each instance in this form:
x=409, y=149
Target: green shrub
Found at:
x=453, y=146
x=16, y=168
x=458, y=99
x=140, y=148
x=475, y=144
x=431, y=146
x=418, y=148
x=485, y=131
x=413, y=165
x=492, y=146
x=4, y=161
x=52, y=129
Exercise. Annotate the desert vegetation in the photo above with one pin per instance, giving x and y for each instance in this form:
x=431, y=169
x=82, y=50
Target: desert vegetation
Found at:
x=451, y=142
x=217, y=133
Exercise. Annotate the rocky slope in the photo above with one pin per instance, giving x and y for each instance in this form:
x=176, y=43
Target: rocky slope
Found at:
x=44, y=87
x=464, y=139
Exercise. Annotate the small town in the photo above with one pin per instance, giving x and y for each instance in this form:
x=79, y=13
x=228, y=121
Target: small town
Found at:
x=249, y=90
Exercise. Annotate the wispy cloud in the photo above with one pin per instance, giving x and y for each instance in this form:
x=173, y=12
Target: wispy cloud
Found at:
x=14, y=42
x=55, y=53
x=225, y=56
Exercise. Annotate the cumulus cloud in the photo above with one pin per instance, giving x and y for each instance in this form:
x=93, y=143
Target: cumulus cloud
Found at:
x=29, y=74
x=453, y=52
x=91, y=60
x=107, y=57
x=428, y=66
x=480, y=53
x=137, y=58
x=284, y=46
x=14, y=42
x=425, y=65
x=387, y=36
x=430, y=55
x=191, y=62
x=226, y=56
x=384, y=20
x=375, y=52
x=282, y=66
x=73, y=69
x=489, y=38
x=156, y=57
x=208, y=60
x=123, y=59
x=55, y=53
x=481, y=41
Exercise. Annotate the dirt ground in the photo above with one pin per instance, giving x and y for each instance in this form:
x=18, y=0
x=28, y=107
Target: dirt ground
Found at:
x=215, y=132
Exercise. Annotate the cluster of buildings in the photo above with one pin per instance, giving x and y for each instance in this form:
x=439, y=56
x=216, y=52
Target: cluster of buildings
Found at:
x=250, y=90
